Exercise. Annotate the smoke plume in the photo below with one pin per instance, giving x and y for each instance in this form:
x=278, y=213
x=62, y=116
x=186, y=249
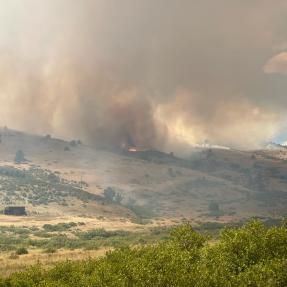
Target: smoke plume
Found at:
x=149, y=73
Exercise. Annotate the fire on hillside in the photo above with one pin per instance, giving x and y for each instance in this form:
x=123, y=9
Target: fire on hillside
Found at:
x=136, y=149
x=131, y=148
x=149, y=154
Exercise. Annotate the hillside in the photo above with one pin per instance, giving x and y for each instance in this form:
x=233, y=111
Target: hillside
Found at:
x=69, y=179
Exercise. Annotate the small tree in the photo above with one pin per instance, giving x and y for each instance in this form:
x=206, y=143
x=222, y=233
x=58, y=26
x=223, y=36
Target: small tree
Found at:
x=19, y=157
x=112, y=196
x=109, y=194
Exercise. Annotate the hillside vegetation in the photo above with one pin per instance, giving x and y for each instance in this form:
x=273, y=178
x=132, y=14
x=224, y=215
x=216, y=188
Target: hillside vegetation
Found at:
x=252, y=255
x=61, y=178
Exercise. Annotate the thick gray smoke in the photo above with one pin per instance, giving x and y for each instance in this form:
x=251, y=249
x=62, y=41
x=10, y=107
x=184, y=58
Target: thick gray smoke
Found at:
x=149, y=73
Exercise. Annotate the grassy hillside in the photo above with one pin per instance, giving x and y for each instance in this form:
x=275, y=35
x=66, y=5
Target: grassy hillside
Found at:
x=83, y=202
x=69, y=178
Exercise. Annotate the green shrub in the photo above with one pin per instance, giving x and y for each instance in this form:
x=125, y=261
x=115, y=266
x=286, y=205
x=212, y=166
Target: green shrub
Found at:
x=21, y=251
x=100, y=233
x=252, y=255
x=59, y=227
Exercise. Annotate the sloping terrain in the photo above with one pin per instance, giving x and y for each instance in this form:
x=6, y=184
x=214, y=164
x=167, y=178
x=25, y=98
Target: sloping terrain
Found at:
x=69, y=178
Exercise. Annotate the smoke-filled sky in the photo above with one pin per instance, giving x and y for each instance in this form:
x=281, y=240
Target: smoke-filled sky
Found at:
x=142, y=72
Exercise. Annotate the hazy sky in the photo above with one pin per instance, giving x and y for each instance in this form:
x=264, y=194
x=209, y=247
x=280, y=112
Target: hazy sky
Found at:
x=154, y=73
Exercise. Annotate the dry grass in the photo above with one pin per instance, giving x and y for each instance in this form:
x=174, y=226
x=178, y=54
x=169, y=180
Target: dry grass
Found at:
x=107, y=223
x=10, y=263
x=145, y=181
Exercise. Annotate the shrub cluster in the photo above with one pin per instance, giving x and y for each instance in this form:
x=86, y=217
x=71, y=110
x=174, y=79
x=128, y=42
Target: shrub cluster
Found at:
x=40, y=187
x=253, y=255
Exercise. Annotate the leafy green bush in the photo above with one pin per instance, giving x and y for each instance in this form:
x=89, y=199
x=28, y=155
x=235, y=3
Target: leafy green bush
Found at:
x=100, y=232
x=252, y=255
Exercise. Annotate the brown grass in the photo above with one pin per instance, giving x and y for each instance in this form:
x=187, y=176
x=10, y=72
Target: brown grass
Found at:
x=10, y=263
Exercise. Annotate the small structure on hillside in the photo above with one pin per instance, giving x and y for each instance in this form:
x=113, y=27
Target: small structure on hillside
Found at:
x=15, y=210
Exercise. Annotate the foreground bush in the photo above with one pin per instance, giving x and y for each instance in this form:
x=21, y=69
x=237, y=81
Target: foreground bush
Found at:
x=252, y=255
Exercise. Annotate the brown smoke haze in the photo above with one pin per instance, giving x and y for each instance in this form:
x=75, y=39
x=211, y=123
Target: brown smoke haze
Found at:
x=150, y=73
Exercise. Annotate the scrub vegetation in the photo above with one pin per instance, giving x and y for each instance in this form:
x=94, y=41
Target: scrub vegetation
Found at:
x=251, y=255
